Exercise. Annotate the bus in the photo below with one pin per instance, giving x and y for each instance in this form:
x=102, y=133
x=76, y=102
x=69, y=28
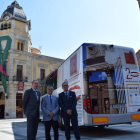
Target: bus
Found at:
x=106, y=81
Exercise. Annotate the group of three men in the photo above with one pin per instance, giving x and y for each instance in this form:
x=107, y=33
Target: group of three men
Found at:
x=50, y=107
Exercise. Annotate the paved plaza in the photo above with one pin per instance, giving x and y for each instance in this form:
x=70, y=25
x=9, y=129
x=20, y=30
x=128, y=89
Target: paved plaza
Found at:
x=15, y=129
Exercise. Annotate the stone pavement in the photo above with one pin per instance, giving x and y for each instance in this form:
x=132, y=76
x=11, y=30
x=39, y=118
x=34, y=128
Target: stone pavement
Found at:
x=15, y=129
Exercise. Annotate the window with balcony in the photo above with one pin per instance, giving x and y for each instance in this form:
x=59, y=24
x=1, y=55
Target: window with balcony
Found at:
x=42, y=74
x=19, y=72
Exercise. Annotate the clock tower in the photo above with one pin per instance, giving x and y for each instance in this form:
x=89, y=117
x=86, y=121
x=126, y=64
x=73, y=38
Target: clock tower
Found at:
x=13, y=22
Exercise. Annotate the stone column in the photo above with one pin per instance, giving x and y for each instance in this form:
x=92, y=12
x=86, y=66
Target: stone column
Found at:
x=13, y=25
x=11, y=110
x=85, y=83
x=34, y=68
x=8, y=102
x=14, y=99
x=112, y=94
x=28, y=69
x=11, y=67
x=15, y=62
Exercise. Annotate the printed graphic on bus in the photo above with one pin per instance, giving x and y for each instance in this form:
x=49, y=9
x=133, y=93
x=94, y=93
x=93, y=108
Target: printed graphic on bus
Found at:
x=115, y=71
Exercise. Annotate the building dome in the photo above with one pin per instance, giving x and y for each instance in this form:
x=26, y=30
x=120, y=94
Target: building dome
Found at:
x=35, y=50
x=15, y=11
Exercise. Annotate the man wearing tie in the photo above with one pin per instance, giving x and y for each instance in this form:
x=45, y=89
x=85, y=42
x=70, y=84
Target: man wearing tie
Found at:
x=31, y=103
x=50, y=107
x=68, y=102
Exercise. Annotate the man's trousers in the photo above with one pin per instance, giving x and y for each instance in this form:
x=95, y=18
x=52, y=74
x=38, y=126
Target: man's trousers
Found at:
x=74, y=122
x=48, y=125
x=32, y=126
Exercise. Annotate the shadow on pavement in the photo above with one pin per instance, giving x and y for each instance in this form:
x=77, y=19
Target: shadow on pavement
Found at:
x=104, y=132
x=19, y=130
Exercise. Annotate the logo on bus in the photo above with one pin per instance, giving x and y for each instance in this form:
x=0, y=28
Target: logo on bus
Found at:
x=130, y=74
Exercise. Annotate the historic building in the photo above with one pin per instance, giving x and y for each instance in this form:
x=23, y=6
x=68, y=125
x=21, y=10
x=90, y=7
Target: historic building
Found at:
x=23, y=64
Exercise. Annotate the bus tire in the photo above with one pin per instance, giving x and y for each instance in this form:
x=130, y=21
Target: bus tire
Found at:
x=61, y=126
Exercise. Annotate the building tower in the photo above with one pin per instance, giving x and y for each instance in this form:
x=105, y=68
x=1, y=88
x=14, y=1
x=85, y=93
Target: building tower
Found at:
x=14, y=23
x=23, y=62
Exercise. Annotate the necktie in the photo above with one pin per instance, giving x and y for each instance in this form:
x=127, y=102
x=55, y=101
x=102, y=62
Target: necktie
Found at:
x=36, y=95
x=67, y=95
x=51, y=100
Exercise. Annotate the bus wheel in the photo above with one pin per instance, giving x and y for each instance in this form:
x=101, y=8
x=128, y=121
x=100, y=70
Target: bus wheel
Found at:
x=61, y=125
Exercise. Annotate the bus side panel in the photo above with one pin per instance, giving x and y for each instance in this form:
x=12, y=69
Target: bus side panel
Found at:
x=71, y=70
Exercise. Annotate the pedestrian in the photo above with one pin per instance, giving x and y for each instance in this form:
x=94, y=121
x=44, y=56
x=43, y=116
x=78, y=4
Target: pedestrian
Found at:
x=31, y=103
x=68, y=102
x=50, y=107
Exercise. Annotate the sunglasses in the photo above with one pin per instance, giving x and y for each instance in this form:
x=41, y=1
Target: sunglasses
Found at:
x=50, y=89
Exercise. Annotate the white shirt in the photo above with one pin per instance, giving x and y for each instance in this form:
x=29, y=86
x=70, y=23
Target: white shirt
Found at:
x=49, y=95
x=67, y=93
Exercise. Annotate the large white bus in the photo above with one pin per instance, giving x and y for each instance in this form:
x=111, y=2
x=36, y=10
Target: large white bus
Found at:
x=106, y=81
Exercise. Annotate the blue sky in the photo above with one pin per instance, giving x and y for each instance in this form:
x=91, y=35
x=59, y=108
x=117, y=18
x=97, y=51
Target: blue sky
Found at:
x=61, y=26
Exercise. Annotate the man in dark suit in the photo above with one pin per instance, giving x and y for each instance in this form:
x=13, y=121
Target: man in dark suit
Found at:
x=68, y=102
x=31, y=103
x=50, y=107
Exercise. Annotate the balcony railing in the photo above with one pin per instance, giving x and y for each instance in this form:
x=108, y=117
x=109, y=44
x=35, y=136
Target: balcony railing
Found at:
x=23, y=79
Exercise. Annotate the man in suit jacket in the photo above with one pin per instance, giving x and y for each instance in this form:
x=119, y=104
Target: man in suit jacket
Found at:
x=68, y=102
x=50, y=107
x=31, y=103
